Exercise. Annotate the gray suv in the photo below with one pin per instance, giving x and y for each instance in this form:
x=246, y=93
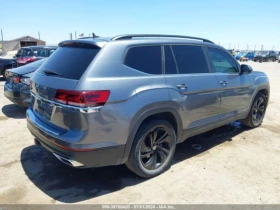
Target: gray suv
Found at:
x=131, y=98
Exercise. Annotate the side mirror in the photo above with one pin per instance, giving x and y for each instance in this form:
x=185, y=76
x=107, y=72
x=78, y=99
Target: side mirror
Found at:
x=246, y=69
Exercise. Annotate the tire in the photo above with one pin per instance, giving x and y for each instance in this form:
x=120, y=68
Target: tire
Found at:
x=144, y=155
x=260, y=60
x=251, y=120
x=273, y=60
x=4, y=74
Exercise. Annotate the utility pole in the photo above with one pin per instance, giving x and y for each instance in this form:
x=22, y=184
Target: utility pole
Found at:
x=255, y=48
x=39, y=35
x=262, y=48
x=272, y=47
x=2, y=41
x=75, y=35
x=70, y=36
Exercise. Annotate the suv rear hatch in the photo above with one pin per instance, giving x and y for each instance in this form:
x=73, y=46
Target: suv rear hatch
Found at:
x=60, y=74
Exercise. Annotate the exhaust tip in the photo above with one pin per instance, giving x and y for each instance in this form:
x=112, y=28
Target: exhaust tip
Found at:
x=69, y=162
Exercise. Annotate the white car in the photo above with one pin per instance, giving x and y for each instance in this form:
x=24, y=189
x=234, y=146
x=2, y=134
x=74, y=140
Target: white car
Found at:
x=8, y=55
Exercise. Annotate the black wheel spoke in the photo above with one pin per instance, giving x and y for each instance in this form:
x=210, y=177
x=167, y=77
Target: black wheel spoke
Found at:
x=151, y=164
x=163, y=138
x=166, y=151
x=261, y=108
x=146, y=154
x=145, y=148
x=155, y=134
x=162, y=156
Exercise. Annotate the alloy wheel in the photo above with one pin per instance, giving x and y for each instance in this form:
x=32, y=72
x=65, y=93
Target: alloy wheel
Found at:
x=258, y=111
x=155, y=148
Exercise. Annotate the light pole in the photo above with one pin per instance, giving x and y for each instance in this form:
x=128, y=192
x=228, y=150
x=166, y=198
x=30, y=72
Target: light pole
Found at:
x=2, y=41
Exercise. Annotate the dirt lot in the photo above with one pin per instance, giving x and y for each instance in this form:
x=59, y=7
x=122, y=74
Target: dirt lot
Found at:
x=233, y=166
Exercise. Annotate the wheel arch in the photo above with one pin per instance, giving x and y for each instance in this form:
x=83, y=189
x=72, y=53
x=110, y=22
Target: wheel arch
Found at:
x=168, y=113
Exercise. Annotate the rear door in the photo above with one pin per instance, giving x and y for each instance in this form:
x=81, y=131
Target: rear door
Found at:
x=235, y=88
x=191, y=86
x=61, y=71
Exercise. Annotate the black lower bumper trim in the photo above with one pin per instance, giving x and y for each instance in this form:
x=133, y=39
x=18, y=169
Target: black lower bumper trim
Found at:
x=96, y=158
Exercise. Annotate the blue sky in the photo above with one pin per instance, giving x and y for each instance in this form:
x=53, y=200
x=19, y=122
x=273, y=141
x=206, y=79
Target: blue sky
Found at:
x=252, y=22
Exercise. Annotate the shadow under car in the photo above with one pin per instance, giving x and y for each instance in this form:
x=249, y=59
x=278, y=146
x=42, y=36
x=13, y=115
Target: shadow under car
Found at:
x=70, y=185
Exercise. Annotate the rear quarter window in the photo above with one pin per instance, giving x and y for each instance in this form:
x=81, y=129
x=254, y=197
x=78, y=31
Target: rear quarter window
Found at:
x=70, y=62
x=146, y=59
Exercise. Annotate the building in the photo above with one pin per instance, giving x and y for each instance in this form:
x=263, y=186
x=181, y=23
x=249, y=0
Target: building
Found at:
x=24, y=41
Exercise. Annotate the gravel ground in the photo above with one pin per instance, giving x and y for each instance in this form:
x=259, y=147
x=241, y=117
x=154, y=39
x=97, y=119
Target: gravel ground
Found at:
x=232, y=165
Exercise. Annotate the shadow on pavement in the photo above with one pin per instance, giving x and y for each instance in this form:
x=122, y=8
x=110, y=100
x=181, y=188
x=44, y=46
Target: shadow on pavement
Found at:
x=14, y=111
x=70, y=185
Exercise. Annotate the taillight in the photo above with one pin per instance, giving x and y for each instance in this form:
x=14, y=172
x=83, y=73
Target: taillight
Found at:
x=82, y=98
x=25, y=60
x=16, y=79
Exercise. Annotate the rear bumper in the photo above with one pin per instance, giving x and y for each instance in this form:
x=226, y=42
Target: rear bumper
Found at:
x=19, y=96
x=82, y=158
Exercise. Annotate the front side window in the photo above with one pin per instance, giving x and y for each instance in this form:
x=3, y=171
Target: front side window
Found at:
x=146, y=59
x=221, y=61
x=190, y=59
x=24, y=52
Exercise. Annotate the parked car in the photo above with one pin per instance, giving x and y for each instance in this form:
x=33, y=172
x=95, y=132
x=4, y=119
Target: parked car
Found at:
x=250, y=55
x=241, y=57
x=24, y=56
x=9, y=55
x=278, y=57
x=130, y=99
x=265, y=56
x=6, y=64
x=17, y=88
x=30, y=54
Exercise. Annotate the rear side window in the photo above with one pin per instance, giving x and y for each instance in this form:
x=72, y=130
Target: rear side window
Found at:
x=70, y=62
x=190, y=59
x=40, y=52
x=146, y=59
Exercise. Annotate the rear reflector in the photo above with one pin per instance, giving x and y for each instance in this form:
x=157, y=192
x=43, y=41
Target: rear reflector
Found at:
x=82, y=98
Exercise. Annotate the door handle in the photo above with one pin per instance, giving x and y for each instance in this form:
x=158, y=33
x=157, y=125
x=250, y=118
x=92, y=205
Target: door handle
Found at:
x=223, y=82
x=182, y=86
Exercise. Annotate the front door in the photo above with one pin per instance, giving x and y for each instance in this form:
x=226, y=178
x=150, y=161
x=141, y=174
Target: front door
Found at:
x=235, y=88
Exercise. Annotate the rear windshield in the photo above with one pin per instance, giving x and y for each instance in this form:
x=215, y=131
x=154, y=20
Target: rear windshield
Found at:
x=69, y=62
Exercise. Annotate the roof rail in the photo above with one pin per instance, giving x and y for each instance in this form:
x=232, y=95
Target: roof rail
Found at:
x=130, y=36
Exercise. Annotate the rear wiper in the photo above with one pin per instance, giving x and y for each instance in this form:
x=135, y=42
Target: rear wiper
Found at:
x=52, y=73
